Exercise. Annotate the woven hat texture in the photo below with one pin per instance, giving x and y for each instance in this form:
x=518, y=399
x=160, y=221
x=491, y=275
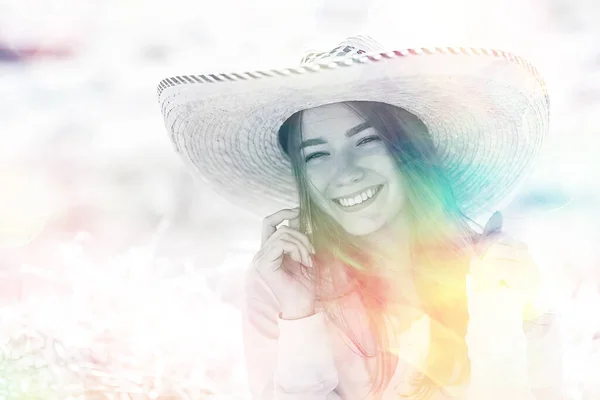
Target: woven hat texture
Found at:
x=486, y=110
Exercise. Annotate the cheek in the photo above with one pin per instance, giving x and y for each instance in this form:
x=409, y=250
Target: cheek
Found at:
x=398, y=191
x=397, y=185
x=378, y=160
x=318, y=181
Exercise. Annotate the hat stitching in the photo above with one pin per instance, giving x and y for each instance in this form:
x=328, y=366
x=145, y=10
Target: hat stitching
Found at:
x=350, y=61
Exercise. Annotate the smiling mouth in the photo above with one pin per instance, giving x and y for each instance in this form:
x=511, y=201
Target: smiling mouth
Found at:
x=360, y=198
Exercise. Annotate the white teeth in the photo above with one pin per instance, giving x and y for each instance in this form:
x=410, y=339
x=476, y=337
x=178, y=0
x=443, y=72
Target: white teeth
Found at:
x=367, y=194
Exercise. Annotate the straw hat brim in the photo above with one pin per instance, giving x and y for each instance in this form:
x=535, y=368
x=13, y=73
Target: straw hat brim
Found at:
x=487, y=112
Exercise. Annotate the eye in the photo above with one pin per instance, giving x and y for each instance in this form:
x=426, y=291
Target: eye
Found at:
x=368, y=139
x=314, y=156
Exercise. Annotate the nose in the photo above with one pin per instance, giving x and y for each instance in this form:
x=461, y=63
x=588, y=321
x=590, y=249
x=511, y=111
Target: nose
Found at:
x=348, y=172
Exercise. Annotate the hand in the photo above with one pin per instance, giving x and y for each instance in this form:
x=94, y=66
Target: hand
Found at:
x=283, y=251
x=504, y=262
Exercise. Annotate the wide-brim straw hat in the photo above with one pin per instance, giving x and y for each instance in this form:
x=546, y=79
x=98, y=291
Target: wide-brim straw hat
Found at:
x=486, y=110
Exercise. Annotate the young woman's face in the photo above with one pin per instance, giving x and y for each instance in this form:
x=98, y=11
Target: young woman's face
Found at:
x=350, y=172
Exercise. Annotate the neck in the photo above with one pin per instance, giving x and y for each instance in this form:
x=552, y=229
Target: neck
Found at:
x=392, y=244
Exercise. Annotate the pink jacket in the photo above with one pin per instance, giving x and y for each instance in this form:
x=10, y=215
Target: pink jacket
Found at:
x=308, y=359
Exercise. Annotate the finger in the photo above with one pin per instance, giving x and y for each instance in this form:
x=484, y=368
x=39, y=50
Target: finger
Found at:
x=276, y=251
x=292, y=250
x=281, y=238
x=298, y=235
x=305, y=258
x=271, y=222
x=294, y=223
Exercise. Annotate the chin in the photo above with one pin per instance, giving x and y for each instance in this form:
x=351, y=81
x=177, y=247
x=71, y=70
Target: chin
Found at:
x=362, y=228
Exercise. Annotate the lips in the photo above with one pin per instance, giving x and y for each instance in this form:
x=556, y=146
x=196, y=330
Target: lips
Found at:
x=358, y=200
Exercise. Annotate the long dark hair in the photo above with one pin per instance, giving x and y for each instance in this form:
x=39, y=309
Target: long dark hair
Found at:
x=441, y=243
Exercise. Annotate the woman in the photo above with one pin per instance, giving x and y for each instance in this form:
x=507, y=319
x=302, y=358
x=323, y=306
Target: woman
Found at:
x=363, y=294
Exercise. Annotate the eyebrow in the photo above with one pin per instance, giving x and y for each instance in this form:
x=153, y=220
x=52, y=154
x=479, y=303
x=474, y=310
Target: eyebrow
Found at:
x=349, y=133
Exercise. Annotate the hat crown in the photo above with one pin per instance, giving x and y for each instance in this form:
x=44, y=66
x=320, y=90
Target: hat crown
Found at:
x=348, y=48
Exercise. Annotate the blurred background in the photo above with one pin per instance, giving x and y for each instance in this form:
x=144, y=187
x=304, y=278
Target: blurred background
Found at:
x=120, y=274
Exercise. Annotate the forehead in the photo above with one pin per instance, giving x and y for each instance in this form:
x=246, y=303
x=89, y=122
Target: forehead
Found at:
x=328, y=120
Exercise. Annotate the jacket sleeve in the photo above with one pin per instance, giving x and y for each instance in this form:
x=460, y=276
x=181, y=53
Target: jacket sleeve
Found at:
x=285, y=359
